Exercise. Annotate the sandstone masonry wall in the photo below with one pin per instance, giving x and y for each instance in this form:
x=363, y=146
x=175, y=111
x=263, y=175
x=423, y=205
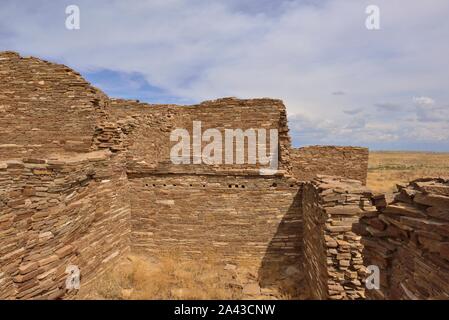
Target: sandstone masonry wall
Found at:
x=348, y=162
x=58, y=212
x=227, y=210
x=239, y=219
x=333, y=261
x=45, y=108
x=408, y=239
x=150, y=145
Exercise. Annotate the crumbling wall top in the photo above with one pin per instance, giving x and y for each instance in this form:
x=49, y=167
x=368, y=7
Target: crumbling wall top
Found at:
x=45, y=108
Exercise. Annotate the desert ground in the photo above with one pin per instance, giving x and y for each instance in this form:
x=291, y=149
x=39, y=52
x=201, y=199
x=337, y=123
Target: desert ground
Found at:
x=140, y=277
x=388, y=168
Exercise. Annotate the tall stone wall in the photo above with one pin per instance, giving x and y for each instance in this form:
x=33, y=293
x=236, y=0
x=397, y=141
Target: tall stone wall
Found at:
x=241, y=218
x=56, y=213
x=348, y=162
x=45, y=108
x=333, y=262
x=229, y=210
x=408, y=239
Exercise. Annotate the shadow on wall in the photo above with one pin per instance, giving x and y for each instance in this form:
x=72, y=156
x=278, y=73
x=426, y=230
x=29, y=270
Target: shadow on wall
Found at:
x=281, y=267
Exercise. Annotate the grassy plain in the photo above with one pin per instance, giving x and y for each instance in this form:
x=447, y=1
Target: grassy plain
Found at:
x=387, y=168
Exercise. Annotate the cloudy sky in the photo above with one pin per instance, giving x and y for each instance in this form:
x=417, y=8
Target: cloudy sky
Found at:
x=342, y=83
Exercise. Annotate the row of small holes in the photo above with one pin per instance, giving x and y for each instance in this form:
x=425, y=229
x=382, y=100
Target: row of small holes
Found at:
x=274, y=185
x=174, y=185
x=236, y=186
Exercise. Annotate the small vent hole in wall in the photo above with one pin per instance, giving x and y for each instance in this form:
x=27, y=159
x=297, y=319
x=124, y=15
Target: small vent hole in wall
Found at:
x=274, y=185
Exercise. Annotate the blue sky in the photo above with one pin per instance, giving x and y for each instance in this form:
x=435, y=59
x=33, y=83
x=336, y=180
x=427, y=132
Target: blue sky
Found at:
x=342, y=84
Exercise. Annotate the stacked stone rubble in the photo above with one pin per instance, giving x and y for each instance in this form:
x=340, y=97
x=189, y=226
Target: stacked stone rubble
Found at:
x=113, y=135
x=408, y=239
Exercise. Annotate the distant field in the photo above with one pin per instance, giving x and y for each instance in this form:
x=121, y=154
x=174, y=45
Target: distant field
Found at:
x=387, y=168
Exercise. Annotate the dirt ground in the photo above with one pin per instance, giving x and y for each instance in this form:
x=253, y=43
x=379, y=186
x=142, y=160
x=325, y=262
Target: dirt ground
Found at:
x=139, y=277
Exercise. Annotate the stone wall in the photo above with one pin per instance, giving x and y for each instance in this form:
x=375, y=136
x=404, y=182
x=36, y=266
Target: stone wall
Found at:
x=45, y=108
x=227, y=210
x=238, y=218
x=56, y=213
x=408, y=239
x=333, y=261
x=84, y=178
x=348, y=162
x=150, y=145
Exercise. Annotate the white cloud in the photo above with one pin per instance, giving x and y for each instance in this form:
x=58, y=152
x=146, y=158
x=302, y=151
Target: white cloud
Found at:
x=424, y=101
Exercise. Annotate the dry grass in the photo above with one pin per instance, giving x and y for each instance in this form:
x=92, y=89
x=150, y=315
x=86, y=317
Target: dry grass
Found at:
x=386, y=169
x=171, y=277
x=136, y=277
